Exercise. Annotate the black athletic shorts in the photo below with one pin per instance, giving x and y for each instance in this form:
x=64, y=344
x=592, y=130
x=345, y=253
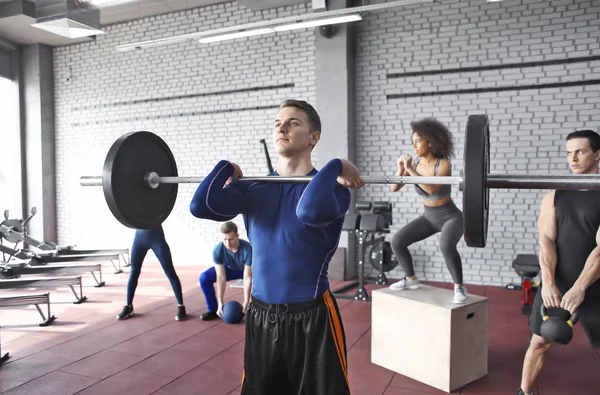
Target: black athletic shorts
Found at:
x=589, y=318
x=295, y=349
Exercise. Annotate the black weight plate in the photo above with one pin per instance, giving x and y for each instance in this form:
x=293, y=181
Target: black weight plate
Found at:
x=8, y=272
x=476, y=197
x=131, y=200
x=389, y=262
x=17, y=235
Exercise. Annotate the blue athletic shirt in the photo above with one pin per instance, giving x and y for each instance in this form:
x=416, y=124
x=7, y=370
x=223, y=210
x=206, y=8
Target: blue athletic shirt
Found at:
x=234, y=261
x=294, y=228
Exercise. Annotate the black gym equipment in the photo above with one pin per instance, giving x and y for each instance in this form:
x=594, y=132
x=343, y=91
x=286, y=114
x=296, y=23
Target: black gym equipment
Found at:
x=267, y=157
x=477, y=157
x=15, y=231
x=527, y=267
x=369, y=225
x=382, y=258
x=130, y=198
x=140, y=180
x=557, y=329
x=7, y=271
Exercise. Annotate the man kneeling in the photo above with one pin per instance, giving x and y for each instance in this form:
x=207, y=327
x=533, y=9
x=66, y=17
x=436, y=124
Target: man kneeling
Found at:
x=233, y=260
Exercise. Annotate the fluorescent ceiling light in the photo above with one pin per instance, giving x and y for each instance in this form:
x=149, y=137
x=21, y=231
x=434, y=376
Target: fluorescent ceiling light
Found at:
x=231, y=36
x=109, y=3
x=319, y=22
x=282, y=28
x=267, y=24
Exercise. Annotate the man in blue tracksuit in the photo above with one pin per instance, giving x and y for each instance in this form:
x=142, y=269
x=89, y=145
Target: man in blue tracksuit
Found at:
x=232, y=260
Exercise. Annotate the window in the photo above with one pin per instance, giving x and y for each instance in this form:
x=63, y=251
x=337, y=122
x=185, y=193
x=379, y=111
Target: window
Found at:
x=10, y=150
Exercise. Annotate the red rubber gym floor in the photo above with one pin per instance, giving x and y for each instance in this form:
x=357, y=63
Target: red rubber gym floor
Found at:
x=87, y=351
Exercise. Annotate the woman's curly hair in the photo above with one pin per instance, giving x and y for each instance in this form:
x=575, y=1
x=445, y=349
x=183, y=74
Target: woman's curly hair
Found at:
x=438, y=136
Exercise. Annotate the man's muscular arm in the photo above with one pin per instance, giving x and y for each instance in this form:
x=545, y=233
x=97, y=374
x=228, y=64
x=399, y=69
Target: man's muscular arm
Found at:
x=221, y=285
x=247, y=287
x=591, y=270
x=547, y=229
x=589, y=275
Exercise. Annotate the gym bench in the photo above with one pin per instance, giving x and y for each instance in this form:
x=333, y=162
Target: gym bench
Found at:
x=527, y=267
x=30, y=299
x=76, y=268
x=46, y=257
x=124, y=253
x=47, y=282
x=65, y=258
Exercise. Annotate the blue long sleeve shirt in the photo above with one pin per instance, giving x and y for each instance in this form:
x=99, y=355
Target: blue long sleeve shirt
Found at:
x=294, y=228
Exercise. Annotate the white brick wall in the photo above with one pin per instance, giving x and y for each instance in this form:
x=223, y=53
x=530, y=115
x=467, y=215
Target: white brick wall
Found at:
x=528, y=126
x=91, y=77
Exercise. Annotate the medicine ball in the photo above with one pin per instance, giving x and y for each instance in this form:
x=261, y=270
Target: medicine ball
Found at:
x=232, y=312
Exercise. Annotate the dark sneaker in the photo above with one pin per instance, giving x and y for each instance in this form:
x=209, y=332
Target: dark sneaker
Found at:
x=209, y=315
x=126, y=313
x=181, y=314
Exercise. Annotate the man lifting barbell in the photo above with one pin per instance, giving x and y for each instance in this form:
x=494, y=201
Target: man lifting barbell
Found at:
x=433, y=146
x=295, y=340
x=569, y=236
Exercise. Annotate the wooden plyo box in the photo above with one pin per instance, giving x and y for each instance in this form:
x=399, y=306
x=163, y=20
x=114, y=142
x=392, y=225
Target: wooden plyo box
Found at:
x=421, y=334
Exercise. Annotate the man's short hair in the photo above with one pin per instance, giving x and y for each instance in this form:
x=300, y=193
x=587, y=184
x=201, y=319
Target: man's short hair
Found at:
x=314, y=120
x=228, y=227
x=593, y=137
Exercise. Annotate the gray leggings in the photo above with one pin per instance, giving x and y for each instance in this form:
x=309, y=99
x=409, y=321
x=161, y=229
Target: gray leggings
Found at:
x=447, y=219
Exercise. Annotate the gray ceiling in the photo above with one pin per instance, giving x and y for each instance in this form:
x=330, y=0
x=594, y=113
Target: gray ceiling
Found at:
x=16, y=16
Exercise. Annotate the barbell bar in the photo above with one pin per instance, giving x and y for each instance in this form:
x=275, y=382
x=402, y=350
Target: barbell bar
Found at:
x=493, y=181
x=140, y=180
x=153, y=180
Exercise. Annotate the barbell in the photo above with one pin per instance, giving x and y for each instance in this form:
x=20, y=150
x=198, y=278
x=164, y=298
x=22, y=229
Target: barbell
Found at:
x=140, y=180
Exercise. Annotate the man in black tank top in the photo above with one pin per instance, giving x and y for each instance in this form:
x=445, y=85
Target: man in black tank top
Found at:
x=569, y=235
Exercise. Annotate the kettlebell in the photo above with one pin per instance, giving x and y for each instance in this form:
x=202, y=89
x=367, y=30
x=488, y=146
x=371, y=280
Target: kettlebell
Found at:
x=556, y=329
